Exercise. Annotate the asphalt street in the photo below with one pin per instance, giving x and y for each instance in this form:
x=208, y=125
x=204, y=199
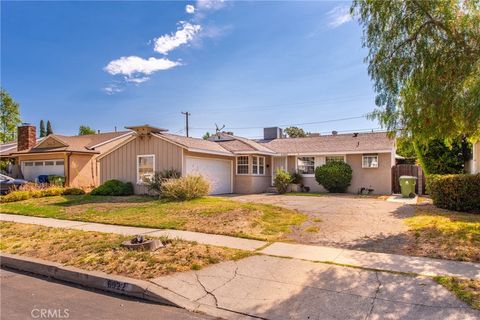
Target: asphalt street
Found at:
x=25, y=296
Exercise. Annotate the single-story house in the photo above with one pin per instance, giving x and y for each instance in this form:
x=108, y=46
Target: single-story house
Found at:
x=232, y=164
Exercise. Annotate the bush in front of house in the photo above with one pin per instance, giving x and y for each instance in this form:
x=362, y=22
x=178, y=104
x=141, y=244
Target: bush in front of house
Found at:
x=282, y=180
x=185, y=188
x=334, y=176
x=73, y=192
x=33, y=191
x=155, y=184
x=113, y=188
x=460, y=192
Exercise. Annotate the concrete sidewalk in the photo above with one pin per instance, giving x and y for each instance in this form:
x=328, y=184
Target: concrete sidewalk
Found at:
x=372, y=260
x=274, y=288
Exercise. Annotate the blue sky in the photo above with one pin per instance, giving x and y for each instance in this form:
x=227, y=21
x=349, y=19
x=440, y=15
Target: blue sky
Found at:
x=243, y=64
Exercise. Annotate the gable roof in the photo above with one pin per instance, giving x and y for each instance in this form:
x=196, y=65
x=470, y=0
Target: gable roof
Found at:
x=240, y=145
x=346, y=143
x=82, y=144
x=194, y=144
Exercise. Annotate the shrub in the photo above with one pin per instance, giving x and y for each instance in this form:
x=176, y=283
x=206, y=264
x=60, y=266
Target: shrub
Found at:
x=185, y=188
x=282, y=180
x=113, y=188
x=15, y=196
x=296, y=178
x=52, y=191
x=460, y=192
x=73, y=191
x=159, y=178
x=334, y=176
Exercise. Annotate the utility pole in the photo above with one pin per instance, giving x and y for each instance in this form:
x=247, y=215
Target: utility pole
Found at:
x=187, y=114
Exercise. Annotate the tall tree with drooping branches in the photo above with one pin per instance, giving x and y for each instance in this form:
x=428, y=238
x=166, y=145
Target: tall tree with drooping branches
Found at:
x=424, y=59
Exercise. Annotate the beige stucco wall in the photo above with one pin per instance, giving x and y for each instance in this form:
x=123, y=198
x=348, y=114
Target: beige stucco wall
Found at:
x=246, y=184
x=121, y=164
x=379, y=178
x=82, y=171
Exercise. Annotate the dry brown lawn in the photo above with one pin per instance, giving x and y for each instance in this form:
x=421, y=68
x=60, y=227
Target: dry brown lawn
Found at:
x=103, y=251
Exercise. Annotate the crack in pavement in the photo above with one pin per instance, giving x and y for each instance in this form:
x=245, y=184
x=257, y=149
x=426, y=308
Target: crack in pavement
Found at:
x=374, y=297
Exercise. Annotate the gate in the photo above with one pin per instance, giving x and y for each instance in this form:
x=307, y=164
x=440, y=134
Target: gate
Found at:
x=408, y=170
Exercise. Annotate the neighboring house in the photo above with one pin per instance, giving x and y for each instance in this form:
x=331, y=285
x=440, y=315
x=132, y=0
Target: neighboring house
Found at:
x=233, y=164
x=73, y=157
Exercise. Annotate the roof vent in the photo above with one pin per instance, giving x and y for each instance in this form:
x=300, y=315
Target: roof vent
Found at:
x=355, y=134
x=334, y=132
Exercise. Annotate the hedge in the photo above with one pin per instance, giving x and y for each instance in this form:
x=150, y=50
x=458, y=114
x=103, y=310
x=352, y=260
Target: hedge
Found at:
x=459, y=192
x=113, y=188
x=334, y=176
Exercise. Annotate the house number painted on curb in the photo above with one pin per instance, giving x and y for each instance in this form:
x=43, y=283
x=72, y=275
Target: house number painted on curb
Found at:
x=116, y=285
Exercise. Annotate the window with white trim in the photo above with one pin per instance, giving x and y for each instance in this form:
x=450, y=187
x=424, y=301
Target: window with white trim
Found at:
x=306, y=165
x=329, y=159
x=258, y=165
x=145, y=168
x=242, y=165
x=370, y=161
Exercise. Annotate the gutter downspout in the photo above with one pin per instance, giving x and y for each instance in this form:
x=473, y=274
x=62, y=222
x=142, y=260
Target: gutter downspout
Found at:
x=68, y=169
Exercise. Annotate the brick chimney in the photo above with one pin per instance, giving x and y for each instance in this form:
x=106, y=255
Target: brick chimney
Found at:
x=27, y=136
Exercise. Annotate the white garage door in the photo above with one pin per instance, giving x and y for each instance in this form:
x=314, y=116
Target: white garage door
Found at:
x=32, y=169
x=218, y=172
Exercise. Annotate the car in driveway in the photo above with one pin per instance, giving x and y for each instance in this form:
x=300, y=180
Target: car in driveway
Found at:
x=8, y=184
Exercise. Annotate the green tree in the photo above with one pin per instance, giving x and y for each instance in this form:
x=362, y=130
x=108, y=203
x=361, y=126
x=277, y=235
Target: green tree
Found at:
x=49, y=128
x=84, y=130
x=424, y=59
x=206, y=135
x=295, y=132
x=406, y=147
x=436, y=157
x=9, y=117
x=43, y=133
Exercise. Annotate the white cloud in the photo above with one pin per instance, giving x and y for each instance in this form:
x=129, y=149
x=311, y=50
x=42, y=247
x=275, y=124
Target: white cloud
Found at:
x=338, y=16
x=129, y=66
x=185, y=33
x=210, y=4
x=136, y=80
x=112, y=89
x=189, y=9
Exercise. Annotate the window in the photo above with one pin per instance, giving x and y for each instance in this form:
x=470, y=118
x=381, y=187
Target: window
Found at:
x=258, y=165
x=370, y=161
x=329, y=159
x=145, y=168
x=28, y=164
x=242, y=165
x=306, y=165
x=60, y=163
x=38, y=163
x=49, y=163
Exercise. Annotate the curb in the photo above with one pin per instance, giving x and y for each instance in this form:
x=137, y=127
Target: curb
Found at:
x=112, y=283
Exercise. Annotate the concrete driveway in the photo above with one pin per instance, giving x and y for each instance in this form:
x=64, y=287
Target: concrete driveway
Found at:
x=346, y=220
x=274, y=288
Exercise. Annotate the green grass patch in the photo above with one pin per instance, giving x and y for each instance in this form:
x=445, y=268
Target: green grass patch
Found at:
x=312, y=229
x=209, y=215
x=467, y=290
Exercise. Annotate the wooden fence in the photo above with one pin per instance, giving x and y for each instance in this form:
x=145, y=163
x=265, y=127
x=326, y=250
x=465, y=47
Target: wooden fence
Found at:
x=408, y=170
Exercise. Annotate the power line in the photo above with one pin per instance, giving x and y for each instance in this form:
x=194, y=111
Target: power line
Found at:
x=291, y=124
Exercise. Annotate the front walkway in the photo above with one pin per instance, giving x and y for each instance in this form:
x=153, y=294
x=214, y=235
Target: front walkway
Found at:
x=380, y=261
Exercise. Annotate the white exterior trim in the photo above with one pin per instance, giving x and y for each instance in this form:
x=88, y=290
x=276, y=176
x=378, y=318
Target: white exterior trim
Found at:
x=258, y=165
x=264, y=153
x=111, y=140
x=219, y=153
x=138, y=157
x=305, y=154
x=370, y=155
x=248, y=166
